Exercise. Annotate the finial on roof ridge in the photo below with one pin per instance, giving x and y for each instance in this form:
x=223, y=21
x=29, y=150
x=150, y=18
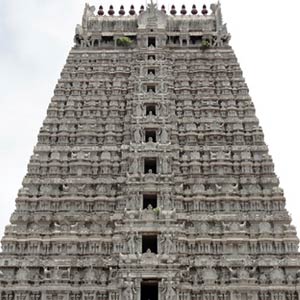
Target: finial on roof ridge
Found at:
x=100, y=11
x=132, y=10
x=194, y=10
x=142, y=9
x=122, y=10
x=111, y=11
x=151, y=6
x=173, y=10
x=183, y=10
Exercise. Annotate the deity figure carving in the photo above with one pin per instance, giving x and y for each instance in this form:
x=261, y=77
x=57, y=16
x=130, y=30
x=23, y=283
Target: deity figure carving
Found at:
x=90, y=275
x=167, y=203
x=137, y=135
x=23, y=274
x=169, y=290
x=139, y=110
x=133, y=202
x=209, y=275
x=164, y=109
x=277, y=275
x=132, y=242
x=129, y=290
x=166, y=243
x=165, y=165
x=88, y=12
x=164, y=136
x=134, y=165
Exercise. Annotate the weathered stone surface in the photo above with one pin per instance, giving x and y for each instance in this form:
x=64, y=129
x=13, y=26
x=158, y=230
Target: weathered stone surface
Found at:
x=150, y=165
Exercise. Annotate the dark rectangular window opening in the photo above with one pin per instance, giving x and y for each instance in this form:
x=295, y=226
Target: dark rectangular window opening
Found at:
x=151, y=71
x=150, y=109
x=150, y=165
x=195, y=40
x=150, y=135
x=149, y=290
x=151, y=88
x=151, y=41
x=149, y=199
x=186, y=187
x=107, y=39
x=175, y=39
x=150, y=57
x=149, y=242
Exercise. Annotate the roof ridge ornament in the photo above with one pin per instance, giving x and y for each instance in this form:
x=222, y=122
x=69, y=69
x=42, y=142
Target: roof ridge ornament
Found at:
x=89, y=11
x=152, y=7
x=216, y=10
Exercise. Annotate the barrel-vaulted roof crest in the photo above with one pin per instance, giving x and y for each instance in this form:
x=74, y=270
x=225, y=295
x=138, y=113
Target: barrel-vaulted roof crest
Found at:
x=105, y=29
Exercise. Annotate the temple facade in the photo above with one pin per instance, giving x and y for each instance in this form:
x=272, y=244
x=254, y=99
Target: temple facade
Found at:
x=150, y=179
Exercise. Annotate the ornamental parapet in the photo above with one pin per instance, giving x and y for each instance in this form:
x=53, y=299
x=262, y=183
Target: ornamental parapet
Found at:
x=152, y=27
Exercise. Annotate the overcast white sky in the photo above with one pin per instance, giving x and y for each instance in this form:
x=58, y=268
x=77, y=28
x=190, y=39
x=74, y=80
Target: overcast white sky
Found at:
x=36, y=35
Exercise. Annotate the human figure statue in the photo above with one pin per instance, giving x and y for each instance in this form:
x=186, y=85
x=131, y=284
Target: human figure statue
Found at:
x=131, y=242
x=135, y=165
x=167, y=200
x=164, y=110
x=164, y=136
x=138, y=110
x=167, y=244
x=168, y=291
x=134, y=201
x=22, y=274
x=129, y=290
x=88, y=12
x=137, y=135
x=165, y=165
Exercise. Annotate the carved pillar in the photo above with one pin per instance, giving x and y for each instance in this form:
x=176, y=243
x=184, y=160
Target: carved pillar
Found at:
x=183, y=295
x=253, y=295
x=160, y=291
x=138, y=289
x=113, y=295
x=44, y=295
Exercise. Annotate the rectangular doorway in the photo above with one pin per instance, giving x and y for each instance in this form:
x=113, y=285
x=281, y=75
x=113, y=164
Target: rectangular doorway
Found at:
x=149, y=242
x=149, y=290
x=149, y=199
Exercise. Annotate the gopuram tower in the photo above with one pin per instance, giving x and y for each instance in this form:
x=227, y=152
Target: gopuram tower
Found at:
x=151, y=179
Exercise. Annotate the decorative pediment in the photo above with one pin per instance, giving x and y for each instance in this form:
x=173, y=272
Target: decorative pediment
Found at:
x=152, y=18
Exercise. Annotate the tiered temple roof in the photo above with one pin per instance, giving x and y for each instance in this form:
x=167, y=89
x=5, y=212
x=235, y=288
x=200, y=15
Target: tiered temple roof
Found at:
x=151, y=178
